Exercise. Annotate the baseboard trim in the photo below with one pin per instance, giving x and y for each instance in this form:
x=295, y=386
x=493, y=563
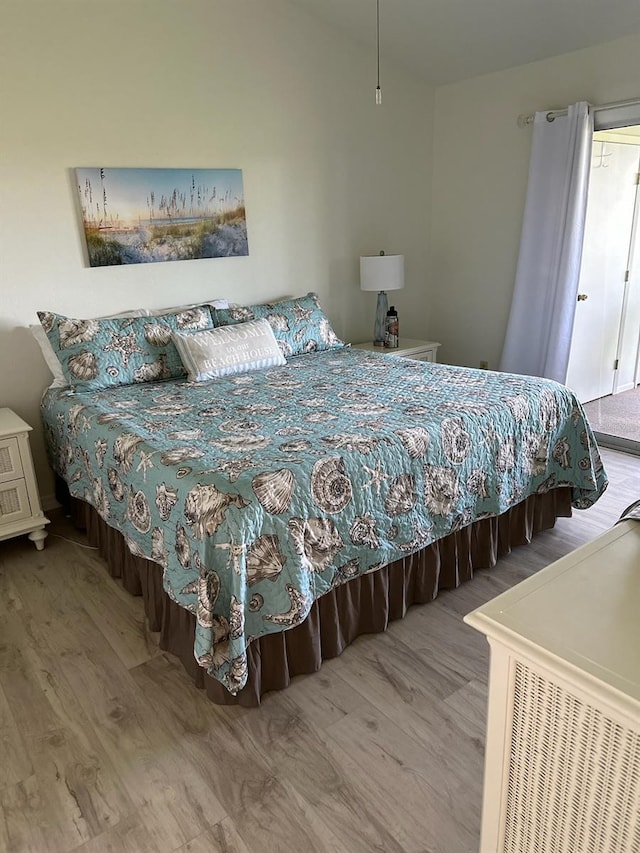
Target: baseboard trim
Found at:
x=616, y=442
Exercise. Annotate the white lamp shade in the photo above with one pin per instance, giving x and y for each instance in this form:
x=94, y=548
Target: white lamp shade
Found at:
x=382, y=272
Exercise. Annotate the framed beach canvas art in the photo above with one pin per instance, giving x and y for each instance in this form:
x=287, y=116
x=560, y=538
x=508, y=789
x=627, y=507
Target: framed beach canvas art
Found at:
x=138, y=216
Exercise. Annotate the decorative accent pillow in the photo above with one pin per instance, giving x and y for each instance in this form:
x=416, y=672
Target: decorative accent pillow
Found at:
x=299, y=325
x=228, y=349
x=97, y=354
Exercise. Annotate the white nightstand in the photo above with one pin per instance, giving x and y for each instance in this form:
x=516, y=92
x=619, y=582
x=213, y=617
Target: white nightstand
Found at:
x=20, y=510
x=418, y=350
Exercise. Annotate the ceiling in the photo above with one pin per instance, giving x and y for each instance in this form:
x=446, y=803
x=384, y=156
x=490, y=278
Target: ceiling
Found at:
x=442, y=41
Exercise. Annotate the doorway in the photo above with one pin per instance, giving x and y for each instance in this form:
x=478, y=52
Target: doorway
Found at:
x=604, y=365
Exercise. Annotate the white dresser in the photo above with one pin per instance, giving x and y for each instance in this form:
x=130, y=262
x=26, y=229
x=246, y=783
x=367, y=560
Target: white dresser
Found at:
x=562, y=762
x=20, y=510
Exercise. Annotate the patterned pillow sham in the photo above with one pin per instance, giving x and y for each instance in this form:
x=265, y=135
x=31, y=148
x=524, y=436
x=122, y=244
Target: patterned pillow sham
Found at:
x=97, y=354
x=299, y=325
x=236, y=348
x=51, y=358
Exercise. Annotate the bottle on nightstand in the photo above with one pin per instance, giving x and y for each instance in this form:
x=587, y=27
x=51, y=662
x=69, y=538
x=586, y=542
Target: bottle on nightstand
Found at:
x=391, y=337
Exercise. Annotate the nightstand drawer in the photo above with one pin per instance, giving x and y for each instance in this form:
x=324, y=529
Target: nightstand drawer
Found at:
x=428, y=355
x=10, y=463
x=407, y=348
x=14, y=502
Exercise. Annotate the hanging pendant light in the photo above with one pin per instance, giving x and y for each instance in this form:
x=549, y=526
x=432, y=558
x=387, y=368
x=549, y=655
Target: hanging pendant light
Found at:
x=378, y=89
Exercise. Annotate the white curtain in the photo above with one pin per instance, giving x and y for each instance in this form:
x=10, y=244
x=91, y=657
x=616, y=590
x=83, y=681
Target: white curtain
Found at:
x=538, y=338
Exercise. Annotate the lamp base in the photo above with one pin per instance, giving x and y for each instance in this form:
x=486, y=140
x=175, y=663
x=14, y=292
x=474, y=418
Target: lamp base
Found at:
x=381, y=319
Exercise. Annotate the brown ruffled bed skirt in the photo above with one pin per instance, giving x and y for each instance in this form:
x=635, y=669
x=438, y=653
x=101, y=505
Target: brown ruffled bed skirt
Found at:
x=364, y=605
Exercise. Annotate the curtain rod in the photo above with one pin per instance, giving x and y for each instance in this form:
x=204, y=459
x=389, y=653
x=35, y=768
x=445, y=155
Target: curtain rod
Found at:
x=525, y=120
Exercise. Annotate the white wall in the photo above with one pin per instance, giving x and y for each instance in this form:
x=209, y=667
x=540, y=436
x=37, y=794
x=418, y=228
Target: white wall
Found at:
x=481, y=161
x=251, y=84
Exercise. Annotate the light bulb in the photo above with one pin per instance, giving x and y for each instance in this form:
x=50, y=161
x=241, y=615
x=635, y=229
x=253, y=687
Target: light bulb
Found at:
x=378, y=95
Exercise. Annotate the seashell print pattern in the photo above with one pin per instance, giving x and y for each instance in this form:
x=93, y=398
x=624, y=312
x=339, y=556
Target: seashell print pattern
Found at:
x=441, y=489
x=180, y=454
x=415, y=441
x=355, y=442
x=115, y=484
x=265, y=560
x=562, y=452
x=73, y=420
x=330, y=487
x=299, y=445
x=156, y=334
x=138, y=511
x=258, y=496
x=274, y=489
x=153, y=371
x=74, y=332
x=166, y=499
x=536, y=453
x=456, y=442
x=47, y=320
x=101, y=499
x=316, y=541
x=208, y=591
x=101, y=451
x=236, y=619
x=159, y=553
x=195, y=319
x=519, y=406
x=182, y=547
x=83, y=365
x=345, y=573
x=241, y=443
x=256, y=602
x=278, y=322
x=402, y=495
x=205, y=508
x=124, y=448
x=363, y=532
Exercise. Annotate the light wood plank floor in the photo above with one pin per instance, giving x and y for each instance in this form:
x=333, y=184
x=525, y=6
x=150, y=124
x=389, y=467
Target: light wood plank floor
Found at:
x=105, y=745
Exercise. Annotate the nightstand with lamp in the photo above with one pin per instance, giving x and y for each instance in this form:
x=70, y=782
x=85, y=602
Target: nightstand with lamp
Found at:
x=382, y=273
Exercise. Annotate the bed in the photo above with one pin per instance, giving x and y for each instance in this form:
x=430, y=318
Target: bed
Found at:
x=270, y=515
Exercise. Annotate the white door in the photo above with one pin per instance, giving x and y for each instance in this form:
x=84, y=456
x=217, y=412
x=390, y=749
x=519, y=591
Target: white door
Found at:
x=601, y=292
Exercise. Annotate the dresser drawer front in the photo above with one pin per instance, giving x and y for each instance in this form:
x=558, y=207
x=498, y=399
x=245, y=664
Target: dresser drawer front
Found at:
x=14, y=502
x=10, y=464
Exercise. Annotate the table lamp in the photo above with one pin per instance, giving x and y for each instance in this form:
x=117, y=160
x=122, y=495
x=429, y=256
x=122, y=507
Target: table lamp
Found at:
x=381, y=272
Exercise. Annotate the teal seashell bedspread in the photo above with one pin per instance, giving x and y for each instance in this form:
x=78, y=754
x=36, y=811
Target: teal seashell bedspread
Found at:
x=259, y=492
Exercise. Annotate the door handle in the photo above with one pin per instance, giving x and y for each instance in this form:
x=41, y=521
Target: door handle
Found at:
x=582, y=297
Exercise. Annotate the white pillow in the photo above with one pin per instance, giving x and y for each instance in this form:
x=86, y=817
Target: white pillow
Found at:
x=59, y=380
x=228, y=349
x=212, y=303
x=49, y=356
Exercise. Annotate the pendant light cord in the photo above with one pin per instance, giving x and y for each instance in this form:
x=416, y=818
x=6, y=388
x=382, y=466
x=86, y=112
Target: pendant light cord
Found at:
x=378, y=89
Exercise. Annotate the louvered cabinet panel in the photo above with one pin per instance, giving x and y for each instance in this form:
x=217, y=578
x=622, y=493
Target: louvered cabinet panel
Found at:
x=14, y=502
x=10, y=464
x=562, y=760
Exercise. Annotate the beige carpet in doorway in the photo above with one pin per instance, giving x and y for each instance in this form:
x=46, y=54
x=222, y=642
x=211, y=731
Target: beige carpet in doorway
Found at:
x=617, y=414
